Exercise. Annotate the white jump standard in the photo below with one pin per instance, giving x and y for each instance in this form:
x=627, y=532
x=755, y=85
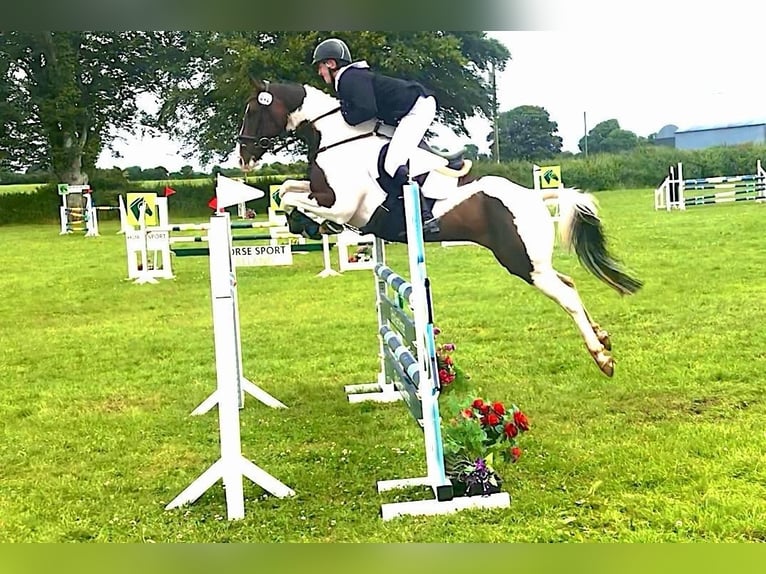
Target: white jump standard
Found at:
x=671, y=194
x=232, y=466
x=409, y=371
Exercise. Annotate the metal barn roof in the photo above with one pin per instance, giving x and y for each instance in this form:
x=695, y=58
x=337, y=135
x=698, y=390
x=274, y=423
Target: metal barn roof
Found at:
x=745, y=123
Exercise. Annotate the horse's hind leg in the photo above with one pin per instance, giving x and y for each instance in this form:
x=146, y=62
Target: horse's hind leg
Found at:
x=553, y=285
x=602, y=334
x=488, y=222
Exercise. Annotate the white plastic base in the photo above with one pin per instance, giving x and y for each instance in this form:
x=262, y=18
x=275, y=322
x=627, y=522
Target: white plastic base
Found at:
x=231, y=472
x=379, y=393
x=328, y=273
x=145, y=278
x=432, y=507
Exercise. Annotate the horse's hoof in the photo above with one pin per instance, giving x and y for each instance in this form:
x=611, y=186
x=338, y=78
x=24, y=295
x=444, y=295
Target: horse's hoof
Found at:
x=605, y=362
x=603, y=337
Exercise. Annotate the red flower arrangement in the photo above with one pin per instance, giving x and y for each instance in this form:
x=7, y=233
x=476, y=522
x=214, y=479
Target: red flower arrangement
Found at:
x=499, y=426
x=481, y=432
x=363, y=254
x=447, y=370
x=476, y=433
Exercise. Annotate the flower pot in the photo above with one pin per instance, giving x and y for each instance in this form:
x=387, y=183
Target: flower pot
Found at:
x=464, y=485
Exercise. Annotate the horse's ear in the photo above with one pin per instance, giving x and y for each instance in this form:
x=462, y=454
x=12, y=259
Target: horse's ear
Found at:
x=255, y=83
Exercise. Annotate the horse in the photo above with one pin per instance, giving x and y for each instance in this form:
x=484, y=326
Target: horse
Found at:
x=510, y=220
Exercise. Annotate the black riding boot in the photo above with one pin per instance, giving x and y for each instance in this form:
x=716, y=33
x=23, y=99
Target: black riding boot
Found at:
x=430, y=223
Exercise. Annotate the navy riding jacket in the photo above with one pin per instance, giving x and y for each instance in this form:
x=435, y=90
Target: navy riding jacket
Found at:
x=365, y=95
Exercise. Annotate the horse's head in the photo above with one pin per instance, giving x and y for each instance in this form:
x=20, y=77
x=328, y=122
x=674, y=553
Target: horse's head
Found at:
x=267, y=115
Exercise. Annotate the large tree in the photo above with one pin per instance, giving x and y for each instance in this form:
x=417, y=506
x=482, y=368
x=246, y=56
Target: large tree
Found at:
x=527, y=133
x=608, y=137
x=203, y=107
x=65, y=94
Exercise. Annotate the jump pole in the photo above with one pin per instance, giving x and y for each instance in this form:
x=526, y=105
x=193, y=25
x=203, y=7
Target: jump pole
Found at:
x=414, y=377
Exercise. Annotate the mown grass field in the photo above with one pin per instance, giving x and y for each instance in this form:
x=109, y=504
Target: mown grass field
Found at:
x=152, y=184
x=149, y=184
x=100, y=375
x=20, y=188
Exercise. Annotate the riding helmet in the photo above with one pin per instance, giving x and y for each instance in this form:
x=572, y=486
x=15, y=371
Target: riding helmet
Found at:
x=332, y=49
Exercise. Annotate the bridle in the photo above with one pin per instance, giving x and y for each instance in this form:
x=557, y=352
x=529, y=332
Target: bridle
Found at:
x=267, y=143
x=263, y=142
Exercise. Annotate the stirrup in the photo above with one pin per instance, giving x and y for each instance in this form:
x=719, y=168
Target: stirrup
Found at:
x=330, y=228
x=431, y=226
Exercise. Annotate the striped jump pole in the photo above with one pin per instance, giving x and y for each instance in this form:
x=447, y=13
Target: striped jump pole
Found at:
x=729, y=188
x=712, y=200
x=409, y=370
x=204, y=238
x=234, y=225
x=232, y=467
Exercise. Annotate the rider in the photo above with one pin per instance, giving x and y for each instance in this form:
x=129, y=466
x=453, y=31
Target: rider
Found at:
x=365, y=95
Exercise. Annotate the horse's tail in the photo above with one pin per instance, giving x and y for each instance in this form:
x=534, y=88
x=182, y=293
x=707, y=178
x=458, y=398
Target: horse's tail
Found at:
x=580, y=228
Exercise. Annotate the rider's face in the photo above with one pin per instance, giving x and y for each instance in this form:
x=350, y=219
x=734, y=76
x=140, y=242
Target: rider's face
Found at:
x=325, y=69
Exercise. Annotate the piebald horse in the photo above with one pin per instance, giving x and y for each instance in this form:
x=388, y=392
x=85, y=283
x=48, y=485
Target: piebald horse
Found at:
x=510, y=220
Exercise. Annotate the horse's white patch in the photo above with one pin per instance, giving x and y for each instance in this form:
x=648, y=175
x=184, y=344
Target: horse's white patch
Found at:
x=265, y=98
x=535, y=227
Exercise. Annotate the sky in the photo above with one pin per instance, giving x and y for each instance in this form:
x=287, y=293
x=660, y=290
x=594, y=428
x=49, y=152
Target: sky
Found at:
x=645, y=77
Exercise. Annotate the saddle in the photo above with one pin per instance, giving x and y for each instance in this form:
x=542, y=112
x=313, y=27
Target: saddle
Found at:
x=457, y=166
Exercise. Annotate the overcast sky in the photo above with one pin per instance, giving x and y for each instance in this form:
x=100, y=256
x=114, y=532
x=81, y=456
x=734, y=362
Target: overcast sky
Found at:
x=644, y=77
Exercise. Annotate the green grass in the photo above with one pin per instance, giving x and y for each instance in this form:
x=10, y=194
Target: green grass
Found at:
x=100, y=375
x=149, y=184
x=20, y=188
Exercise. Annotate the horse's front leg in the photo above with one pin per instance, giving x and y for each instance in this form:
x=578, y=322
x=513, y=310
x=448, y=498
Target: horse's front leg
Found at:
x=301, y=202
x=294, y=186
x=321, y=196
x=341, y=212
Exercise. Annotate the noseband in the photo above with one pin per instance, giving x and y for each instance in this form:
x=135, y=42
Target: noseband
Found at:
x=262, y=142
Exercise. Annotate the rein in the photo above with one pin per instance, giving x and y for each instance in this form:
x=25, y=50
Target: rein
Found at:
x=341, y=142
x=267, y=143
x=332, y=145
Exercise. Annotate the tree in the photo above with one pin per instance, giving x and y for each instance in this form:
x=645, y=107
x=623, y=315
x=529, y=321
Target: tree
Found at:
x=608, y=137
x=64, y=93
x=134, y=173
x=203, y=106
x=471, y=152
x=155, y=173
x=527, y=133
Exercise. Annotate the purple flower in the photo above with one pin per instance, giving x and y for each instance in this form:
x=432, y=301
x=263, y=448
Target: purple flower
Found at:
x=480, y=476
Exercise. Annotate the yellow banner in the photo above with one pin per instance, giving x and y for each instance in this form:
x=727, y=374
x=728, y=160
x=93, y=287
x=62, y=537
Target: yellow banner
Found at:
x=135, y=200
x=274, y=207
x=550, y=176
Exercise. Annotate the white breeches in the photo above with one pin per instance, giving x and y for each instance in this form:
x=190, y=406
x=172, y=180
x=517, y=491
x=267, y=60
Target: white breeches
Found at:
x=409, y=133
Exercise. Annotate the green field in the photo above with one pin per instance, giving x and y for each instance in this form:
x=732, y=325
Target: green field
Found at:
x=149, y=184
x=100, y=375
x=20, y=188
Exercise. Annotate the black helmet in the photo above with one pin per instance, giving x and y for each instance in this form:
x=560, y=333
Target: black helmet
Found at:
x=331, y=49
